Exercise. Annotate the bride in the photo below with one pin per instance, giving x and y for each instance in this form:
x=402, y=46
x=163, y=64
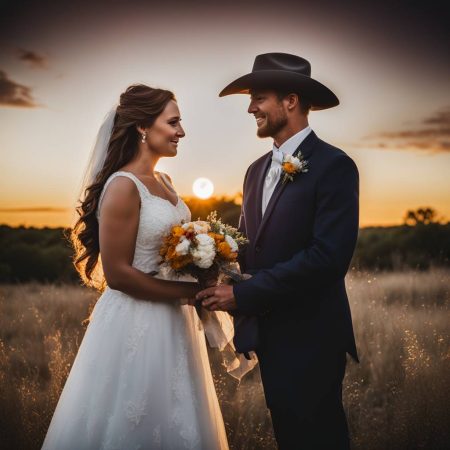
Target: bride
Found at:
x=141, y=378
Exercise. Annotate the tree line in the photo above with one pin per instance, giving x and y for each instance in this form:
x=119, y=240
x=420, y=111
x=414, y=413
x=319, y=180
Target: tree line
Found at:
x=423, y=241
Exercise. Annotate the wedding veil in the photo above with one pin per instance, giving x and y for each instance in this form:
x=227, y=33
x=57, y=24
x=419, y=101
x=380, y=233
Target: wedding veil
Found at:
x=98, y=153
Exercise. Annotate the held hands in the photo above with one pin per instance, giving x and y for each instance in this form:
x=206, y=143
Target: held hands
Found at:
x=193, y=301
x=218, y=298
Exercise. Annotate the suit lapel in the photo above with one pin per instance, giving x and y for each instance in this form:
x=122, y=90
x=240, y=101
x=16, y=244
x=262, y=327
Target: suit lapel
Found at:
x=306, y=148
x=260, y=178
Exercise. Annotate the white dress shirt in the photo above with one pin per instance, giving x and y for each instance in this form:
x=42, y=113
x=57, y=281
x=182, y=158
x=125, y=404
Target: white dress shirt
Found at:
x=274, y=173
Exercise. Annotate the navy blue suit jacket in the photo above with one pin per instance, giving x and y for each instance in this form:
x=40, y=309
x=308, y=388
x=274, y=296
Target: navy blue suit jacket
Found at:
x=299, y=253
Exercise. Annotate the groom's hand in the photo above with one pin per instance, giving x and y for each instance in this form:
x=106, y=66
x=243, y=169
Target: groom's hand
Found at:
x=218, y=298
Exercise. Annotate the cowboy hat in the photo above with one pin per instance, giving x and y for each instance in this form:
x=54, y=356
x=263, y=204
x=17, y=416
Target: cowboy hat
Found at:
x=285, y=72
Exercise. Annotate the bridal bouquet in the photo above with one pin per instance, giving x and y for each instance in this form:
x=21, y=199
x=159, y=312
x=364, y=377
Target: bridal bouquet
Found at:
x=202, y=249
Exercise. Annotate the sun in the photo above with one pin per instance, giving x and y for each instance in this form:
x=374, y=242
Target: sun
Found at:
x=203, y=188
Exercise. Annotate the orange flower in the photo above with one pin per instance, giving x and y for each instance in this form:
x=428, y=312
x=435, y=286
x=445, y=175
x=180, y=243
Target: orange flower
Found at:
x=225, y=251
x=174, y=240
x=171, y=253
x=217, y=237
x=290, y=168
x=177, y=231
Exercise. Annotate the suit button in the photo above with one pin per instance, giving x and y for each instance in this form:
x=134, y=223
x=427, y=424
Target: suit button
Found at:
x=257, y=249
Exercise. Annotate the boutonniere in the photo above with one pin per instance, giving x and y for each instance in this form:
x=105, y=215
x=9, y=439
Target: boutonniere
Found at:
x=292, y=165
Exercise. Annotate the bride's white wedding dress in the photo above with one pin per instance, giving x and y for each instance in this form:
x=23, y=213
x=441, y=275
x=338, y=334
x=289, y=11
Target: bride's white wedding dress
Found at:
x=141, y=378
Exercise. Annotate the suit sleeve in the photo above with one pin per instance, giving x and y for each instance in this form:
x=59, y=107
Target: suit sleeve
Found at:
x=327, y=258
x=243, y=229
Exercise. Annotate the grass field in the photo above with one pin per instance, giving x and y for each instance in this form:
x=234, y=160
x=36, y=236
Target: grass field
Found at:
x=397, y=398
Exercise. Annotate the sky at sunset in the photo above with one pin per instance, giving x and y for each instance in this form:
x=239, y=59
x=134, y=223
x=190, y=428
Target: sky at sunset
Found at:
x=63, y=66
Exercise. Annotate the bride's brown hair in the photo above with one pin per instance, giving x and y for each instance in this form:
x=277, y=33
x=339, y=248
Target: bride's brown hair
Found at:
x=139, y=105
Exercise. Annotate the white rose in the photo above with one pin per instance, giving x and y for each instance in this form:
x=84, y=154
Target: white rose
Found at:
x=183, y=246
x=205, y=252
x=200, y=226
x=204, y=240
x=232, y=243
x=293, y=160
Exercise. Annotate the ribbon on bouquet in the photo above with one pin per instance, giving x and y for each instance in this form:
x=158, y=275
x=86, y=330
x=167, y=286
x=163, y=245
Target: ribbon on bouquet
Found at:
x=219, y=328
x=219, y=331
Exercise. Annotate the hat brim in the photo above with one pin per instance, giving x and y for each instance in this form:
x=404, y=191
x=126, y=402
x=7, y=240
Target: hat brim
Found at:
x=318, y=95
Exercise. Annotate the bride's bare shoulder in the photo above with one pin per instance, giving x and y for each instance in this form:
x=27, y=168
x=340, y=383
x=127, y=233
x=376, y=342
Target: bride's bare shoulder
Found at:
x=121, y=196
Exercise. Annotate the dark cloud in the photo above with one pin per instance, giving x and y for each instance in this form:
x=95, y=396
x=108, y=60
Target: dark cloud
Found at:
x=431, y=136
x=35, y=60
x=441, y=119
x=15, y=94
x=409, y=23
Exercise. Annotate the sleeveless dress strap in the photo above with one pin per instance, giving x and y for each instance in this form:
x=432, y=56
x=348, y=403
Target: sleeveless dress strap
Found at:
x=139, y=185
x=166, y=180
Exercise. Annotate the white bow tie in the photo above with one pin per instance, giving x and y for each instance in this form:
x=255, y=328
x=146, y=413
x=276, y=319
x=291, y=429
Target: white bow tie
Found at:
x=273, y=175
x=277, y=158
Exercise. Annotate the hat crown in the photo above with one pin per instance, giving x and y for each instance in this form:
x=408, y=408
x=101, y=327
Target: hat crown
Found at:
x=283, y=72
x=282, y=61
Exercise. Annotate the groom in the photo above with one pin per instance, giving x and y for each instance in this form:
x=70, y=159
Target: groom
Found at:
x=301, y=220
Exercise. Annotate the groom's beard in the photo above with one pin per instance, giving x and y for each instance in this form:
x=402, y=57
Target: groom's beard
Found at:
x=273, y=124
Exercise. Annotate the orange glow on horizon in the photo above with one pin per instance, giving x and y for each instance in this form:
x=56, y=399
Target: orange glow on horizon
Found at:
x=371, y=214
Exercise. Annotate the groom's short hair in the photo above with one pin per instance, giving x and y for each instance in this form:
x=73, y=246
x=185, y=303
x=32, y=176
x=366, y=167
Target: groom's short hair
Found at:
x=305, y=104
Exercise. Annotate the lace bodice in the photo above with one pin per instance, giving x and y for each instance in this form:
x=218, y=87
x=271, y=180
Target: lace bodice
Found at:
x=157, y=216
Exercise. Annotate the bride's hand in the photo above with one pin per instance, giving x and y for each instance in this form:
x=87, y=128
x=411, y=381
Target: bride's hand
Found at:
x=211, y=282
x=191, y=301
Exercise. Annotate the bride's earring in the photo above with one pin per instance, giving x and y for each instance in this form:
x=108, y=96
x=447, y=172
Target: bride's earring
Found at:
x=144, y=135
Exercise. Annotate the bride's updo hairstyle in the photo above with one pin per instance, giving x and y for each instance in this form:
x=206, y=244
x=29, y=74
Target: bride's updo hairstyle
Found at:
x=139, y=105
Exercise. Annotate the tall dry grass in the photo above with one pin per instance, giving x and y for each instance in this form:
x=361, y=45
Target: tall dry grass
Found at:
x=398, y=397
x=40, y=331
x=395, y=399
